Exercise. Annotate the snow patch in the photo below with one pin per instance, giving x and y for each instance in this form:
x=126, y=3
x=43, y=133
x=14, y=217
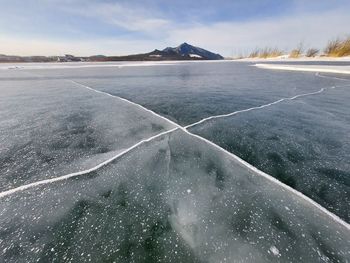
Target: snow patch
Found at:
x=195, y=56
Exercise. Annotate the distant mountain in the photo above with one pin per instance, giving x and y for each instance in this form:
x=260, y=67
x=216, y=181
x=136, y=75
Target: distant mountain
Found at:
x=192, y=51
x=183, y=52
x=17, y=59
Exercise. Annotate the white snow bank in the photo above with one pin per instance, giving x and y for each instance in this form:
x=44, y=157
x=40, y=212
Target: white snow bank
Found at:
x=311, y=68
x=73, y=65
x=286, y=58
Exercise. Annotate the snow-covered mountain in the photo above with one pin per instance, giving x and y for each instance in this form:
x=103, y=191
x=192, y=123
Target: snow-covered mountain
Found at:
x=192, y=51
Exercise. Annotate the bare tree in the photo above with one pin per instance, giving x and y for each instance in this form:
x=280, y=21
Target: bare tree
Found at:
x=312, y=52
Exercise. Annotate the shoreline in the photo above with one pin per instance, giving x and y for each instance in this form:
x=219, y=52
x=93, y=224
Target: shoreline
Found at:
x=260, y=63
x=300, y=59
x=307, y=68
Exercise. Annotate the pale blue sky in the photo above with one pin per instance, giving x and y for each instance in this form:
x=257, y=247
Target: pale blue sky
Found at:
x=114, y=27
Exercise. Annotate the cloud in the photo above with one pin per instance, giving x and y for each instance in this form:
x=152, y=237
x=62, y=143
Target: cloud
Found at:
x=41, y=46
x=124, y=16
x=283, y=32
x=85, y=27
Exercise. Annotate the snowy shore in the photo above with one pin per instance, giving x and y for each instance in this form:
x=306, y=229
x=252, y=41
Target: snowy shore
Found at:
x=311, y=68
x=285, y=58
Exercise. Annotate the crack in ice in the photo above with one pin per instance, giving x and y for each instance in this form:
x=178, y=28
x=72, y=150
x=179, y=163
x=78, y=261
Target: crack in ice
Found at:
x=128, y=101
x=271, y=103
x=235, y=157
x=329, y=77
x=67, y=176
x=254, y=108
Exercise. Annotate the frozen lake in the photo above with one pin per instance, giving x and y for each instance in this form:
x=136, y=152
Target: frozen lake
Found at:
x=173, y=162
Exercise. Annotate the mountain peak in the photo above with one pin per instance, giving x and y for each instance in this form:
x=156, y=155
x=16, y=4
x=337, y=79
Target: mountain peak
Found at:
x=185, y=44
x=188, y=50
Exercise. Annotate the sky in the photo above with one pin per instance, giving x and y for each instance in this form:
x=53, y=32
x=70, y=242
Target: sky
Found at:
x=119, y=27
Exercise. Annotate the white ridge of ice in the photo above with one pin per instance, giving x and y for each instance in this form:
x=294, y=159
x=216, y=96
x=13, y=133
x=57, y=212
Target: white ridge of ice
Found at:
x=128, y=101
x=273, y=179
x=272, y=103
x=254, y=108
x=235, y=157
x=67, y=176
x=72, y=65
x=309, y=68
x=75, y=65
x=262, y=106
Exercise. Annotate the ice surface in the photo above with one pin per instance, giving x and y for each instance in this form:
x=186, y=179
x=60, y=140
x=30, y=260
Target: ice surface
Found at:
x=49, y=128
x=188, y=92
x=174, y=197
x=139, y=209
x=303, y=143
